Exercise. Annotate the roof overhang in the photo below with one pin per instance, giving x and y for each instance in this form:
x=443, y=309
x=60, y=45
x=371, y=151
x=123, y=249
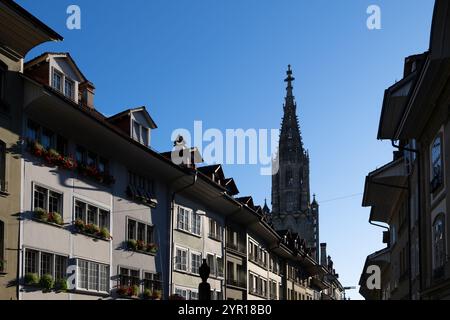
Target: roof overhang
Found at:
x=433, y=78
x=382, y=189
x=20, y=31
x=394, y=104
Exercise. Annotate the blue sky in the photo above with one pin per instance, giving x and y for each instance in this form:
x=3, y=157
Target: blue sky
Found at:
x=223, y=62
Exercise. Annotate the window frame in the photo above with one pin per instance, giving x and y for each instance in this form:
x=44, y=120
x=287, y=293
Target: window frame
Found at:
x=61, y=79
x=437, y=182
x=136, y=230
x=88, y=204
x=47, y=199
x=186, y=251
x=183, y=224
x=443, y=255
x=38, y=262
x=99, y=279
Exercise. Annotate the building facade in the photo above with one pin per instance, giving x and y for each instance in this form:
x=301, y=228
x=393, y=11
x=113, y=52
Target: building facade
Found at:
x=88, y=210
x=409, y=195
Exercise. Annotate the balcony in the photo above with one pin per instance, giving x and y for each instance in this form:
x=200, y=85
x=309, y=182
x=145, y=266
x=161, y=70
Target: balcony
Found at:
x=237, y=247
x=239, y=283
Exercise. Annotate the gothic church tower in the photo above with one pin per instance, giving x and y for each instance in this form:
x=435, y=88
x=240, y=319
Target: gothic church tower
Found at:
x=291, y=200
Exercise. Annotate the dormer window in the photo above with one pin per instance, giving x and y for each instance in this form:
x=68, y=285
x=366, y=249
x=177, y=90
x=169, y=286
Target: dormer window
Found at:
x=69, y=88
x=140, y=133
x=57, y=80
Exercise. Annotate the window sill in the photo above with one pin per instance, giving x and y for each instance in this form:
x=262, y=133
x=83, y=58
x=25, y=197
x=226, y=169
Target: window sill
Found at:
x=91, y=236
x=61, y=226
x=152, y=254
x=188, y=233
x=215, y=238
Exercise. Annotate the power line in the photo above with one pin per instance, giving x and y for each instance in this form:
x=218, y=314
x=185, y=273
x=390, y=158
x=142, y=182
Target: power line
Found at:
x=341, y=198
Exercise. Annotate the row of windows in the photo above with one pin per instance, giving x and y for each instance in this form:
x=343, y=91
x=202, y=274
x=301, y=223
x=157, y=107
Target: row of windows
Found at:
x=139, y=231
x=68, y=89
x=257, y=254
x=52, y=201
x=90, y=275
x=132, y=277
x=257, y=285
x=294, y=295
x=189, y=221
x=190, y=261
x=49, y=140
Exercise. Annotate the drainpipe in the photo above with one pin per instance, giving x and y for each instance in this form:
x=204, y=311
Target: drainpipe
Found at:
x=172, y=207
x=419, y=208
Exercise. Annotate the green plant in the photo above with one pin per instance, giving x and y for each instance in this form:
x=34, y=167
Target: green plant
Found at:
x=148, y=294
x=132, y=244
x=104, y=233
x=79, y=224
x=31, y=279
x=140, y=245
x=46, y=282
x=41, y=214
x=152, y=248
x=61, y=285
x=55, y=217
x=134, y=291
x=92, y=229
x=157, y=294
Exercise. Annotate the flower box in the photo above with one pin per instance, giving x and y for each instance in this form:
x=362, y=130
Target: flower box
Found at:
x=142, y=247
x=91, y=230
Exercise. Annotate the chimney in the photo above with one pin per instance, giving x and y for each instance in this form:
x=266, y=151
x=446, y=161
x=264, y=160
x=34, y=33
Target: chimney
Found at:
x=86, y=92
x=323, y=254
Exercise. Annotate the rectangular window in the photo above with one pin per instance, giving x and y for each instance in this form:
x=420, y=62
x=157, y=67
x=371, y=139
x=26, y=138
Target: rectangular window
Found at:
x=219, y=262
x=93, y=276
x=60, y=267
x=91, y=214
x=44, y=263
x=182, y=293
x=210, y=259
x=196, y=261
x=31, y=261
x=69, y=88
x=152, y=281
x=181, y=259
x=140, y=231
x=183, y=219
x=196, y=223
x=215, y=230
x=136, y=131
x=57, y=80
x=144, y=136
x=50, y=201
x=80, y=155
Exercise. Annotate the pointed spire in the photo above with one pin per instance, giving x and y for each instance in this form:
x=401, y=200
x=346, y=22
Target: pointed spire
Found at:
x=289, y=80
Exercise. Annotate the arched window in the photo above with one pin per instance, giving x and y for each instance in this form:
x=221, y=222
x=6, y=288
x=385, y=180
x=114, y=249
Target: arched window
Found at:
x=439, y=251
x=2, y=166
x=436, y=164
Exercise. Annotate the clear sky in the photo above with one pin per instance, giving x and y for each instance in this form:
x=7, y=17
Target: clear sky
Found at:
x=224, y=61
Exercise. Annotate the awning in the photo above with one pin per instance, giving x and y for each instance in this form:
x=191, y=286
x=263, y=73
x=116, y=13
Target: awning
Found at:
x=383, y=188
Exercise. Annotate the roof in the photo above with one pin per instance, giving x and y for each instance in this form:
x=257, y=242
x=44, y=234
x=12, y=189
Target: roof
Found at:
x=231, y=186
x=247, y=201
x=142, y=109
x=21, y=31
x=42, y=58
x=213, y=169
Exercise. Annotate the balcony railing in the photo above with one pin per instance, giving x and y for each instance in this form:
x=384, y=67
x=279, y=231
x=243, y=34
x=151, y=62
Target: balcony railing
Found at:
x=240, y=283
x=238, y=247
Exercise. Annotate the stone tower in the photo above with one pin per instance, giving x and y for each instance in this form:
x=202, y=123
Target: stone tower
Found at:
x=291, y=202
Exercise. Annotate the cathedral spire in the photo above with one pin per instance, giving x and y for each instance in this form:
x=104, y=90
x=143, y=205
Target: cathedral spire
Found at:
x=289, y=80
